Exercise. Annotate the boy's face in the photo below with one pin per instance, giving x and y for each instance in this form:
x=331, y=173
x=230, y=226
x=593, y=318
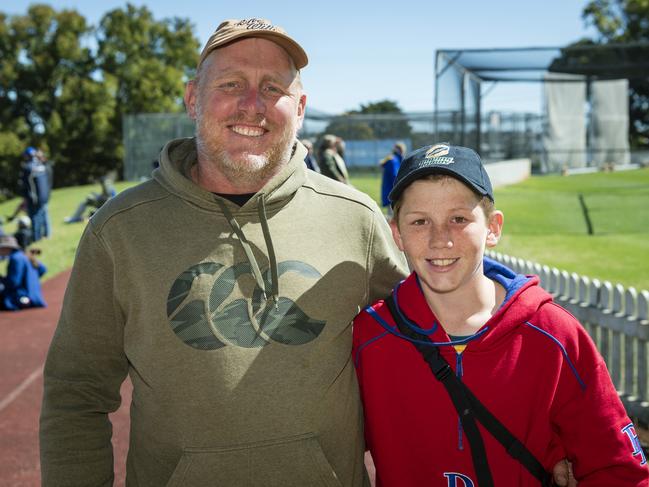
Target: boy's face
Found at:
x=443, y=231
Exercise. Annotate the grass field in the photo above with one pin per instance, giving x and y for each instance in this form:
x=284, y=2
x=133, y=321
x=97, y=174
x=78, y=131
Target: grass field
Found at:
x=543, y=223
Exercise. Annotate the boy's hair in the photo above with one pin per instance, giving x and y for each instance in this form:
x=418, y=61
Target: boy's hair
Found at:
x=487, y=205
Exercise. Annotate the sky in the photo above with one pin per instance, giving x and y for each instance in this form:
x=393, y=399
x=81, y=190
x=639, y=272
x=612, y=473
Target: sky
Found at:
x=362, y=51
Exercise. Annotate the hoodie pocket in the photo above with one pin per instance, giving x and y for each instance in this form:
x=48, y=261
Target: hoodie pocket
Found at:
x=284, y=462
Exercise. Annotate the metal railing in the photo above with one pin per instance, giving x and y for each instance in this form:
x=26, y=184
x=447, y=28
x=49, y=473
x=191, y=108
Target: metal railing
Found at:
x=617, y=319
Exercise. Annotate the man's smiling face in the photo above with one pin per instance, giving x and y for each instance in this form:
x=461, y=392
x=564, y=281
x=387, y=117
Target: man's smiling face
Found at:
x=248, y=105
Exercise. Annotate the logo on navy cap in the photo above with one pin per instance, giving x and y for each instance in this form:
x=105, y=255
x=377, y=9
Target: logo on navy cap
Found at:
x=436, y=155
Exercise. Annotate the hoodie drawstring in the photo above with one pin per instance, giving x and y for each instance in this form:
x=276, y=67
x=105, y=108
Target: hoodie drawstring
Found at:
x=261, y=209
x=248, y=250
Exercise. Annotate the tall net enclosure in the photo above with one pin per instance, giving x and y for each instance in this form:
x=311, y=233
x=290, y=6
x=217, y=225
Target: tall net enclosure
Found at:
x=584, y=91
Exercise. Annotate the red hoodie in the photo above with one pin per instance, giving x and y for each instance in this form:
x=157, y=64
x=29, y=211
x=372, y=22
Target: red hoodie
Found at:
x=532, y=365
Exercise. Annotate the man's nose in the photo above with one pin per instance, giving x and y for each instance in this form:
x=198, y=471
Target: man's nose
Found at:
x=251, y=101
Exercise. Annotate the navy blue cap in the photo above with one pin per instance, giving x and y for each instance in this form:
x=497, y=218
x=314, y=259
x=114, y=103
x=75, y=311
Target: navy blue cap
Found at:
x=459, y=162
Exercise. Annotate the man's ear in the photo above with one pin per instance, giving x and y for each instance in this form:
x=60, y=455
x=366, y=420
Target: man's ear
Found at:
x=495, y=226
x=191, y=91
x=301, y=110
x=396, y=234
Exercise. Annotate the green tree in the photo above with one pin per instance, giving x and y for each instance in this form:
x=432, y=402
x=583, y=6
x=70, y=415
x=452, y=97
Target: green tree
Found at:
x=375, y=120
x=43, y=56
x=626, y=21
x=146, y=62
x=69, y=99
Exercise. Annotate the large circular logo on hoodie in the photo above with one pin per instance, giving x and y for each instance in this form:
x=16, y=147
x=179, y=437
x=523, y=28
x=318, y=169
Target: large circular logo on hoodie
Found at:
x=201, y=315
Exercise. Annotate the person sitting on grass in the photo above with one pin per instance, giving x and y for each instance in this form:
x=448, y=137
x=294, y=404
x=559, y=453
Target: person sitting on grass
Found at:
x=94, y=201
x=21, y=287
x=464, y=348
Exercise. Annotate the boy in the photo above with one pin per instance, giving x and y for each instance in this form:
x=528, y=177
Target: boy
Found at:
x=526, y=359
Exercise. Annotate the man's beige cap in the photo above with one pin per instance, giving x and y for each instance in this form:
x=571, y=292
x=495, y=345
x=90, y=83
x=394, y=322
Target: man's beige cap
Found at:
x=233, y=29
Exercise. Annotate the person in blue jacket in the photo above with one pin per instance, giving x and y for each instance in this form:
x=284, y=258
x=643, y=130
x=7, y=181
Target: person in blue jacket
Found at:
x=390, y=167
x=35, y=185
x=21, y=287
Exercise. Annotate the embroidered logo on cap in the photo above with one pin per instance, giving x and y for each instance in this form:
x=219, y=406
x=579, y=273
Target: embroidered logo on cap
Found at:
x=438, y=150
x=435, y=155
x=256, y=24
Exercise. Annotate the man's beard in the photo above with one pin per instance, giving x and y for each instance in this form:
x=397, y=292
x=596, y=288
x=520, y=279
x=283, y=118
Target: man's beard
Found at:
x=248, y=169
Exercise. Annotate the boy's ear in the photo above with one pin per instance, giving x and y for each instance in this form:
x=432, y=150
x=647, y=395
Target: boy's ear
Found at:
x=396, y=235
x=495, y=226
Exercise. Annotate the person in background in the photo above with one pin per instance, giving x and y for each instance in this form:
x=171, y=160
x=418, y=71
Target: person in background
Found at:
x=93, y=201
x=23, y=232
x=21, y=287
x=35, y=188
x=49, y=168
x=389, y=168
x=331, y=163
x=310, y=159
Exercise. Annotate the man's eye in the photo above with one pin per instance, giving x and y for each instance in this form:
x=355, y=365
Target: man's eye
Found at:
x=229, y=85
x=459, y=219
x=273, y=90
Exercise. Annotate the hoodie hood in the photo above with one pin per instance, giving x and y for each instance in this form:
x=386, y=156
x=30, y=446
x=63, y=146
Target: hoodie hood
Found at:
x=179, y=156
x=176, y=161
x=523, y=299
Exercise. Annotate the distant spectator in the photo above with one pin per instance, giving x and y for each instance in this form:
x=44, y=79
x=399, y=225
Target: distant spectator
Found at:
x=94, y=201
x=340, y=147
x=21, y=207
x=35, y=188
x=310, y=159
x=23, y=233
x=331, y=163
x=49, y=169
x=21, y=287
x=390, y=167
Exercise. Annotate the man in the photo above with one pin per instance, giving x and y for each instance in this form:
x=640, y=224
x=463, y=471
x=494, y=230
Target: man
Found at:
x=210, y=287
x=35, y=183
x=332, y=164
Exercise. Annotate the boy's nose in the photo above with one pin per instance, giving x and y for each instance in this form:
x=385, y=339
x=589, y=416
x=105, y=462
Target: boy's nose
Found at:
x=440, y=239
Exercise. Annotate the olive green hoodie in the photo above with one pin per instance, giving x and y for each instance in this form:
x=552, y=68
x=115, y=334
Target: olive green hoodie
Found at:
x=233, y=324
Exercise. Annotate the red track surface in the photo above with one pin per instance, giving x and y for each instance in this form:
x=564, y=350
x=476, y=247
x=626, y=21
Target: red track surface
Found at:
x=26, y=336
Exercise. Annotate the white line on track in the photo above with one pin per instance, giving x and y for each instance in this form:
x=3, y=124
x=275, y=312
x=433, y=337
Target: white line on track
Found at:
x=21, y=387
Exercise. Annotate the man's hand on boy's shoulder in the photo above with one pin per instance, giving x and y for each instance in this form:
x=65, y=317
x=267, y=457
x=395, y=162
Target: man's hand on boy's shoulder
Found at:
x=562, y=473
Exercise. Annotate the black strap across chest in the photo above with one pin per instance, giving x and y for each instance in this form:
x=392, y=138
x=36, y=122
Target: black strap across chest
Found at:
x=470, y=410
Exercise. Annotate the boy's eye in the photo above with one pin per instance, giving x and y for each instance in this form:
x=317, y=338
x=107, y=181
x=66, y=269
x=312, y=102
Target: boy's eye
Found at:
x=419, y=221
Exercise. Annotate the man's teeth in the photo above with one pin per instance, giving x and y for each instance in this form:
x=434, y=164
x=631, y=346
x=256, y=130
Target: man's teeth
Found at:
x=442, y=262
x=248, y=131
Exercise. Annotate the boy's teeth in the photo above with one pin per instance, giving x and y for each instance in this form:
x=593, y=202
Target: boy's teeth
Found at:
x=248, y=131
x=442, y=262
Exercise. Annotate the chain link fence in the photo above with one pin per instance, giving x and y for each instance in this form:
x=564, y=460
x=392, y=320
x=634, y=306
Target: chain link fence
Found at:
x=368, y=138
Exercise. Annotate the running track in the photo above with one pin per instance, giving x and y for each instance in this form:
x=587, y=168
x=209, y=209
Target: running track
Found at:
x=26, y=335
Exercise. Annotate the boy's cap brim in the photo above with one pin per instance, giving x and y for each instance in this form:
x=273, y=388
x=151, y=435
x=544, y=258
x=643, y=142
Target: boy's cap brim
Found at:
x=459, y=162
x=234, y=29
